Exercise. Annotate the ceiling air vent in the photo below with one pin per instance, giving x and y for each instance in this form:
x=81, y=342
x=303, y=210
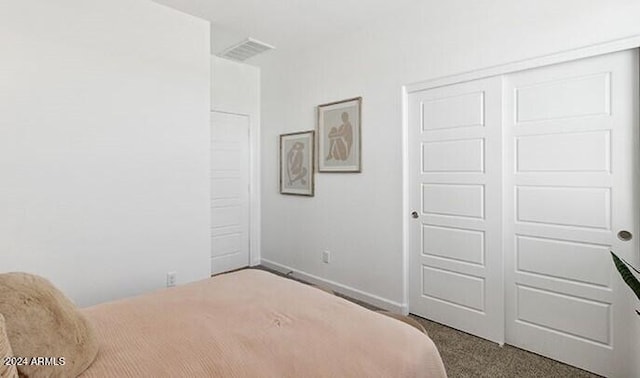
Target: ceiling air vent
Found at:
x=245, y=50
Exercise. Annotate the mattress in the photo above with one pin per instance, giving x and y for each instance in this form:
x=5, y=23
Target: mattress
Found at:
x=252, y=323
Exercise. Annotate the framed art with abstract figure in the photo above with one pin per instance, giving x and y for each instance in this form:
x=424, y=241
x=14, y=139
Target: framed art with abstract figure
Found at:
x=339, y=145
x=296, y=163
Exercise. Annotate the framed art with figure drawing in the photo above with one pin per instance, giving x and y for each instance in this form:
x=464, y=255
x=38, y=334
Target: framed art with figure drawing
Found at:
x=339, y=145
x=296, y=163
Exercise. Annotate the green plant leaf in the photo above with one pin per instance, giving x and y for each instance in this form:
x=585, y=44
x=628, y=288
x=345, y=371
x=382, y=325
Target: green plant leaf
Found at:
x=629, y=265
x=626, y=274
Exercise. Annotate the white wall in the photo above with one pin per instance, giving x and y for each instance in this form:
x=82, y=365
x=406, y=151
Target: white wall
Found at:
x=235, y=88
x=358, y=217
x=104, y=110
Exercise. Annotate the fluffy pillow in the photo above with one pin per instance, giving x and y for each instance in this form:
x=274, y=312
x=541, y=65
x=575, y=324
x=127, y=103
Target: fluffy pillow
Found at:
x=42, y=322
x=8, y=371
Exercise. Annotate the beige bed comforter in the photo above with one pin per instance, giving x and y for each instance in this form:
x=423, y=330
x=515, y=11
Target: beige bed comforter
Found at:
x=254, y=324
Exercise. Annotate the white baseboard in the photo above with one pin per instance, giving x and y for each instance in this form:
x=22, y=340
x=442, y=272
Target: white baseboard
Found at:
x=350, y=292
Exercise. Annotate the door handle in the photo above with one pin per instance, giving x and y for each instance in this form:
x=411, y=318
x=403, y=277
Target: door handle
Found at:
x=414, y=214
x=625, y=235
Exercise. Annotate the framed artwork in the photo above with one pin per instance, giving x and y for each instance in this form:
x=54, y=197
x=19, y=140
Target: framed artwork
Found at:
x=339, y=145
x=296, y=163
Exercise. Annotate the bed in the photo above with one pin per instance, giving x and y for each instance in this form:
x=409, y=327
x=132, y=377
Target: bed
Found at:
x=252, y=323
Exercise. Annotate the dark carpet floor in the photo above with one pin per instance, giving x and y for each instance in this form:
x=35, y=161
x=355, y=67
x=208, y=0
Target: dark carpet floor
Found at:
x=467, y=356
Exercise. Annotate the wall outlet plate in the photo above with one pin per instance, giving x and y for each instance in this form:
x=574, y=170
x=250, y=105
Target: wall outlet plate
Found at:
x=171, y=279
x=326, y=257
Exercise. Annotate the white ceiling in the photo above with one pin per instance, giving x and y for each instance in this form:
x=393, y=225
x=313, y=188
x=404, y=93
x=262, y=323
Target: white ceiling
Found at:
x=286, y=24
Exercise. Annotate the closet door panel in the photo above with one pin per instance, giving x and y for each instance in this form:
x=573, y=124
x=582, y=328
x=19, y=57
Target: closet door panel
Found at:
x=455, y=184
x=569, y=188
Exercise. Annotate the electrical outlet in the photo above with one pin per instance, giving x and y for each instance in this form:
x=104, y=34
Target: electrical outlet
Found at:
x=326, y=257
x=171, y=279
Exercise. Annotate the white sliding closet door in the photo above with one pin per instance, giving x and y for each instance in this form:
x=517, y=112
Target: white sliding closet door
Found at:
x=455, y=192
x=520, y=186
x=569, y=189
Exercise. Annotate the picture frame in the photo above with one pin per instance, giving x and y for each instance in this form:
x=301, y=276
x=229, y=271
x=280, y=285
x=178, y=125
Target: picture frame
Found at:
x=297, y=164
x=339, y=141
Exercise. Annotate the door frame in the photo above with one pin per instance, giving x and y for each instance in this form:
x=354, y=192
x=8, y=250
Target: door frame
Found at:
x=545, y=60
x=254, y=185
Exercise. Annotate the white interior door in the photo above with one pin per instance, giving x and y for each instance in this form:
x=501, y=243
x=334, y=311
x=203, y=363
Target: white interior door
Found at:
x=455, y=154
x=229, y=192
x=520, y=186
x=569, y=189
